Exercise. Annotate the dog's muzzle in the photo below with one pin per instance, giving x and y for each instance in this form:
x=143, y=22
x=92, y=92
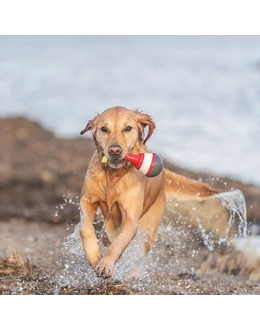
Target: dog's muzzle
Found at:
x=115, y=156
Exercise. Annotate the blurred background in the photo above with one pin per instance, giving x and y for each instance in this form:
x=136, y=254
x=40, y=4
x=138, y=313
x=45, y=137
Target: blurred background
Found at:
x=202, y=91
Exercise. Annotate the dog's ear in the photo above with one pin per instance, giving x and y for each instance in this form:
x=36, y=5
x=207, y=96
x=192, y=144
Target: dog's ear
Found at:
x=145, y=120
x=90, y=125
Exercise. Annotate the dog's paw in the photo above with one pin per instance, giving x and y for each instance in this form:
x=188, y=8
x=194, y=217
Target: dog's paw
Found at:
x=105, y=267
x=92, y=251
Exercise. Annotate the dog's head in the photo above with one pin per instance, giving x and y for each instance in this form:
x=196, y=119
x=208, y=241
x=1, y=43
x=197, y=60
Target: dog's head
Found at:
x=119, y=131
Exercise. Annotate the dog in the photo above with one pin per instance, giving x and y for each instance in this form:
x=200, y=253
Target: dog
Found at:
x=129, y=201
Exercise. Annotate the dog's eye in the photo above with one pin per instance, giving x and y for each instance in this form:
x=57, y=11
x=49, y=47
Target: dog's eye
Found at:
x=104, y=129
x=128, y=128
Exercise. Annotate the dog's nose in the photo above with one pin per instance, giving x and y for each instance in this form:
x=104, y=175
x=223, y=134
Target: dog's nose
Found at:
x=115, y=150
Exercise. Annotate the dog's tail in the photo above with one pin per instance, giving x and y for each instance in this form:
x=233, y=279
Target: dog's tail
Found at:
x=183, y=189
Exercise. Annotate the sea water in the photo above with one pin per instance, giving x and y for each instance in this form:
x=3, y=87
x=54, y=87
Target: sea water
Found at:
x=202, y=91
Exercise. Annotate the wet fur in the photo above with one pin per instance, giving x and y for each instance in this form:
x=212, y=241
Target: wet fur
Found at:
x=129, y=201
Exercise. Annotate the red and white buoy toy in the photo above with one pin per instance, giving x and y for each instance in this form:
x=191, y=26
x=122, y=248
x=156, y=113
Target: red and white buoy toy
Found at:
x=149, y=163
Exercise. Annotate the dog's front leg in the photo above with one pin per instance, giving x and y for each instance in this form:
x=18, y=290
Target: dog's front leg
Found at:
x=129, y=227
x=106, y=265
x=87, y=231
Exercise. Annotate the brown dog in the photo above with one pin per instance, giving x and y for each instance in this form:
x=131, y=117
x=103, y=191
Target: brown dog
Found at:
x=128, y=200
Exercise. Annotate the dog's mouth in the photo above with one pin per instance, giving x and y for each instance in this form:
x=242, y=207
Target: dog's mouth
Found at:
x=116, y=162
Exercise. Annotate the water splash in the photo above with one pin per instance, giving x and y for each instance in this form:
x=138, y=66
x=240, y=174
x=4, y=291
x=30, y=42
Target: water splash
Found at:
x=67, y=200
x=176, y=251
x=208, y=238
x=219, y=218
x=77, y=270
x=234, y=201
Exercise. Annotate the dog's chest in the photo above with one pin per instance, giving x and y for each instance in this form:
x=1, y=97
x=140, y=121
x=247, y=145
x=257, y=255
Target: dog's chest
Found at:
x=112, y=191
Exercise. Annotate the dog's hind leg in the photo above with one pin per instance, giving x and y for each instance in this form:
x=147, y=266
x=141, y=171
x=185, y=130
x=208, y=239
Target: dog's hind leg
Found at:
x=150, y=221
x=113, y=221
x=148, y=226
